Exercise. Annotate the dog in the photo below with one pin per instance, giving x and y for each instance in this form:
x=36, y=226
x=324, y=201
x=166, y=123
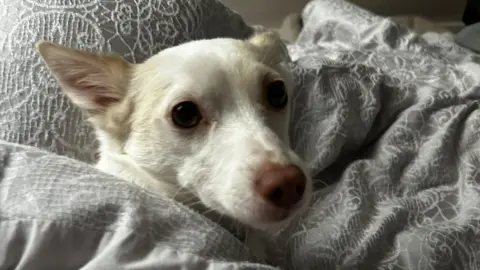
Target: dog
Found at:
x=207, y=119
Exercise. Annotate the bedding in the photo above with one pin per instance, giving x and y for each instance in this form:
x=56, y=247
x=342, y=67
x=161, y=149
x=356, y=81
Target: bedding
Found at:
x=386, y=120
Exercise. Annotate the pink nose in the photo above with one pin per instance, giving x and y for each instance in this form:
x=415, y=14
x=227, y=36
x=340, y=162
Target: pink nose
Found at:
x=281, y=185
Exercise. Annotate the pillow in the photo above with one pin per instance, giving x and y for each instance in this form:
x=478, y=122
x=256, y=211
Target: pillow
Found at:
x=33, y=109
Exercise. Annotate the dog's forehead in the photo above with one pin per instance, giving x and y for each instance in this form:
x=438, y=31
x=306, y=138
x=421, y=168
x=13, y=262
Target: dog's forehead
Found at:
x=220, y=46
x=209, y=56
x=210, y=64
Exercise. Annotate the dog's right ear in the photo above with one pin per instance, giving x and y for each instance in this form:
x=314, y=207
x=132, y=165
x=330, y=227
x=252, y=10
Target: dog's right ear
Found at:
x=92, y=81
x=270, y=46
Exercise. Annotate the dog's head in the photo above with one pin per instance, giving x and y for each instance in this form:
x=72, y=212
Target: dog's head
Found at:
x=210, y=117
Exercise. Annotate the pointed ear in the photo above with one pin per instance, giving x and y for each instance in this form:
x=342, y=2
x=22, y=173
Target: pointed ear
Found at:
x=92, y=81
x=270, y=46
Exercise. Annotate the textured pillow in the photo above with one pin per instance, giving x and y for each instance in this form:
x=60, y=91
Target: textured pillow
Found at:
x=33, y=109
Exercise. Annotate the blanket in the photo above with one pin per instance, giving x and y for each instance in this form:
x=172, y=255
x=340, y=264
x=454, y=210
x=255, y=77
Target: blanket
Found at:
x=386, y=120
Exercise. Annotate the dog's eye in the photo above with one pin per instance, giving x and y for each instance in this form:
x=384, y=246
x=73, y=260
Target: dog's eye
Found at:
x=186, y=114
x=277, y=95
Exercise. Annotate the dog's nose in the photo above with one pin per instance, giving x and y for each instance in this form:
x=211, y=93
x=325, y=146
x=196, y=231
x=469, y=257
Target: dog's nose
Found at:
x=281, y=185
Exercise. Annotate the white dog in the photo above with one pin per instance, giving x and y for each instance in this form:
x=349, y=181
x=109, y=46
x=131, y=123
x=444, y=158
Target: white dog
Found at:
x=206, y=119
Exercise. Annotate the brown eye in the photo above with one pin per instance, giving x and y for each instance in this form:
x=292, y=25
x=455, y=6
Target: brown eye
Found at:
x=277, y=95
x=186, y=115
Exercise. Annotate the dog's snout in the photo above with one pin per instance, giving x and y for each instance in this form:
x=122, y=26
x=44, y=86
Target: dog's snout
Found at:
x=281, y=185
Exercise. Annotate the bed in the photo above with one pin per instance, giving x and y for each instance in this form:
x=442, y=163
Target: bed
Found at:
x=388, y=122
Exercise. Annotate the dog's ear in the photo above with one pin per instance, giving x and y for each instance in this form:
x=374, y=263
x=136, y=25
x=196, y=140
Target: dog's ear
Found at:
x=92, y=81
x=270, y=46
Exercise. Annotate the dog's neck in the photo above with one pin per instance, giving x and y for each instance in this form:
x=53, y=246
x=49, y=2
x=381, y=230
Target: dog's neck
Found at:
x=121, y=166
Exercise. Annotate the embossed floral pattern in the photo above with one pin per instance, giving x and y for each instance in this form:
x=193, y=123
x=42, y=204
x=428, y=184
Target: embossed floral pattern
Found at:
x=393, y=114
x=134, y=29
x=387, y=121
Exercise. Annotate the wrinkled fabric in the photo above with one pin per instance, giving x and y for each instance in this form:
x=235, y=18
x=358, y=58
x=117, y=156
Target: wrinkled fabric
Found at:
x=386, y=120
x=58, y=213
x=389, y=124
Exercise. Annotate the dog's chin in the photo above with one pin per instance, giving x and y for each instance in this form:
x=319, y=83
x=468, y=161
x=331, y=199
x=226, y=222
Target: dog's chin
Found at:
x=268, y=219
x=272, y=227
x=274, y=222
x=257, y=214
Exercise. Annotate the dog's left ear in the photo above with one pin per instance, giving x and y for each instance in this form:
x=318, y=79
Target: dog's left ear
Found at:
x=271, y=47
x=93, y=82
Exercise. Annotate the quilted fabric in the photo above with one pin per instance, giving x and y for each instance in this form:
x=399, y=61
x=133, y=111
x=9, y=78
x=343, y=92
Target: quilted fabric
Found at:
x=33, y=110
x=387, y=121
x=58, y=213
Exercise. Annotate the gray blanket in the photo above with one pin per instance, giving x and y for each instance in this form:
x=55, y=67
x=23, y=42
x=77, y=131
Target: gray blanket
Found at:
x=387, y=121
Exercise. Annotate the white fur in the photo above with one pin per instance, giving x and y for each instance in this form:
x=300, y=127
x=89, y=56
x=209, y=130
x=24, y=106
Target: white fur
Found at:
x=217, y=161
